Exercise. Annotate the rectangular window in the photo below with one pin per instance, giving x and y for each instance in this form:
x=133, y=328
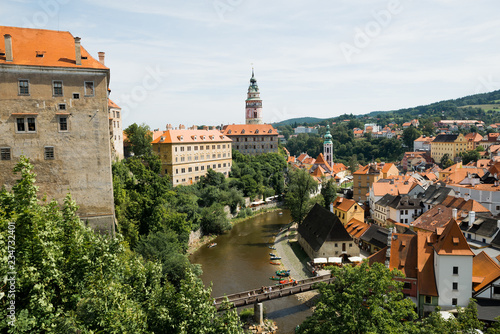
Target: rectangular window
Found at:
x=496, y=290
x=202, y=167
x=189, y=148
x=62, y=106
x=428, y=299
x=24, y=87
x=213, y=147
x=25, y=124
x=57, y=88
x=453, y=301
x=76, y=96
x=407, y=285
x=89, y=88
x=49, y=153
x=455, y=286
x=117, y=114
x=455, y=270
x=196, y=169
x=5, y=153
x=63, y=124
x=190, y=169
x=183, y=170
x=176, y=171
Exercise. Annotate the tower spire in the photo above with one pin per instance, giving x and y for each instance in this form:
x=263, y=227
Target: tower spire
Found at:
x=253, y=114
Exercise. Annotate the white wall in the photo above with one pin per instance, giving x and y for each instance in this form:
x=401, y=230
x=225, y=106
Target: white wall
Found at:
x=444, y=279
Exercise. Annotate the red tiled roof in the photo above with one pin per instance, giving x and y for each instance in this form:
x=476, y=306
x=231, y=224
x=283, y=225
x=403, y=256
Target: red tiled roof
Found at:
x=249, y=130
x=452, y=241
x=484, y=267
x=191, y=136
x=404, y=254
x=425, y=264
x=57, y=47
x=111, y=104
x=343, y=204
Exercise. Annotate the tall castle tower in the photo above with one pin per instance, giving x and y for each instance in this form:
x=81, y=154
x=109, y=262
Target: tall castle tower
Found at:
x=328, y=146
x=253, y=112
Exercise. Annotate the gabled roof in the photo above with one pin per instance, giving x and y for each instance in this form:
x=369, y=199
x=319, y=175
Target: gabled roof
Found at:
x=376, y=235
x=405, y=202
x=343, y=204
x=291, y=159
x=485, y=268
x=111, y=104
x=249, y=130
x=437, y=217
x=302, y=157
x=191, y=136
x=462, y=204
x=320, y=226
x=404, y=254
x=356, y=228
x=473, y=136
x=452, y=241
x=378, y=257
x=57, y=48
x=435, y=194
x=318, y=171
x=482, y=226
x=426, y=278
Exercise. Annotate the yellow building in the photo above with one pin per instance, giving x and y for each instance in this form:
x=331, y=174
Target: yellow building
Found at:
x=186, y=155
x=451, y=145
x=346, y=210
x=253, y=139
x=365, y=176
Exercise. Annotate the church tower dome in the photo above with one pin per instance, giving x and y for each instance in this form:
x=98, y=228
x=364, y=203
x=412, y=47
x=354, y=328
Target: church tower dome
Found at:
x=328, y=146
x=253, y=103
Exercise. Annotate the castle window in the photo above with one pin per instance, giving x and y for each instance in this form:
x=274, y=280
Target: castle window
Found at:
x=24, y=87
x=76, y=96
x=5, y=153
x=57, y=87
x=89, y=88
x=117, y=114
x=63, y=124
x=62, y=106
x=25, y=124
x=49, y=153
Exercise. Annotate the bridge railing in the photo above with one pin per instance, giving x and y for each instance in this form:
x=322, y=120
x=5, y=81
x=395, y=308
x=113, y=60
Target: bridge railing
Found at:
x=272, y=292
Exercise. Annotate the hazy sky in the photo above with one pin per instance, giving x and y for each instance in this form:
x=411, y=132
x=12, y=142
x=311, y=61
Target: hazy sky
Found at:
x=189, y=62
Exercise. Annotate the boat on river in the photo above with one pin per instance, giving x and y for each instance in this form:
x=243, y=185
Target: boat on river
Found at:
x=289, y=280
x=272, y=247
x=282, y=271
x=275, y=258
x=271, y=254
x=283, y=274
x=213, y=244
x=276, y=278
x=275, y=263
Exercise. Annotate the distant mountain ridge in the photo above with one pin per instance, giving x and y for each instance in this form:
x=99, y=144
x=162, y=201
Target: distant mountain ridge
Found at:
x=450, y=108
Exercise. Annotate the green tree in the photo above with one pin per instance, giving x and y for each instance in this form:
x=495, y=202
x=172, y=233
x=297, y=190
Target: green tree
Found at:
x=409, y=135
x=329, y=192
x=446, y=161
x=298, y=193
x=140, y=138
x=472, y=155
x=353, y=163
x=361, y=299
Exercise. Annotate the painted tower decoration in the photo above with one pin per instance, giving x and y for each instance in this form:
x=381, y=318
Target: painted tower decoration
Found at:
x=328, y=146
x=253, y=114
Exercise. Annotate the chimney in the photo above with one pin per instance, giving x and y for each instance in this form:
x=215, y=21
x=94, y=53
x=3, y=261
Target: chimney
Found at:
x=388, y=252
x=101, y=57
x=78, y=51
x=466, y=197
x=472, y=217
x=454, y=213
x=8, y=48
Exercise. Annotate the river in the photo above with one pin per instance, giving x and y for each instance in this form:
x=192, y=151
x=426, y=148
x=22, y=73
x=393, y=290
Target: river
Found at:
x=240, y=262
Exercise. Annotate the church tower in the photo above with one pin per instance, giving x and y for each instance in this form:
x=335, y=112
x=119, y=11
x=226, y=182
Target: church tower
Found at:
x=253, y=111
x=328, y=147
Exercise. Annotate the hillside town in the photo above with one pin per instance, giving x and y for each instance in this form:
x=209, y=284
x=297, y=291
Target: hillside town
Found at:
x=431, y=215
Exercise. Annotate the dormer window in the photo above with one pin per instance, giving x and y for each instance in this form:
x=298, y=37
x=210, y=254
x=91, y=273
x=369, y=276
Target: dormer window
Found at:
x=40, y=54
x=243, y=131
x=270, y=131
x=257, y=131
x=229, y=132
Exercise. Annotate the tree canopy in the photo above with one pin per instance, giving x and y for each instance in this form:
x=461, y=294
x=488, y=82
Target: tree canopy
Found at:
x=300, y=187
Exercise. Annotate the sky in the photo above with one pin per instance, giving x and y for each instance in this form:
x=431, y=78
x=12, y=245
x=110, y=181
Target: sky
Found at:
x=189, y=62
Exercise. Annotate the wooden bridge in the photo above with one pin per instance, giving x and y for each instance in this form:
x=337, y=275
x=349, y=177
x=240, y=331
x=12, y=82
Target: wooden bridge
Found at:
x=273, y=292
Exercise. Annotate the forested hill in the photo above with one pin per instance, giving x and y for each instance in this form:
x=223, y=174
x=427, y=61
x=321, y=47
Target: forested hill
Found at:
x=483, y=107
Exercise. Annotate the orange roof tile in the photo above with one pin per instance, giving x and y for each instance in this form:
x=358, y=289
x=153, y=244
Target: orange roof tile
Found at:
x=302, y=157
x=404, y=254
x=386, y=167
x=249, y=130
x=378, y=257
x=318, y=172
x=309, y=161
x=452, y=241
x=291, y=159
x=343, y=204
x=437, y=217
x=425, y=264
x=111, y=104
x=191, y=136
x=356, y=228
x=57, y=47
x=484, y=267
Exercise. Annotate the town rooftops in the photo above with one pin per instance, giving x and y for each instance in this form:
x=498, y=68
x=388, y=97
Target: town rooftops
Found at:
x=425, y=264
x=482, y=226
x=376, y=235
x=45, y=48
x=321, y=225
x=249, y=130
x=435, y=218
x=191, y=136
x=356, y=228
x=404, y=254
x=343, y=204
x=435, y=194
x=462, y=204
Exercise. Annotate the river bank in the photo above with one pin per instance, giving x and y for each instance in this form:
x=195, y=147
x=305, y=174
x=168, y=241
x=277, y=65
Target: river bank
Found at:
x=204, y=240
